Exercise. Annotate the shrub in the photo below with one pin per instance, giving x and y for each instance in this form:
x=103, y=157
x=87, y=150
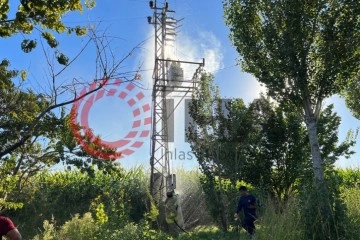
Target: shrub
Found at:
x=141, y=231
x=120, y=195
x=84, y=228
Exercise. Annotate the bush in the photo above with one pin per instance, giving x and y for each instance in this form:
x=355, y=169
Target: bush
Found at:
x=120, y=195
x=141, y=231
x=84, y=228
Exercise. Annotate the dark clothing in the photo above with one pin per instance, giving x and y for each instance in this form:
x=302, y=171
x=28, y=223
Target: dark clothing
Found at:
x=248, y=225
x=6, y=225
x=248, y=204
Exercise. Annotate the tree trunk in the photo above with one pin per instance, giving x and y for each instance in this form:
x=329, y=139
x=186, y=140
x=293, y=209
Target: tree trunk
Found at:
x=311, y=126
x=322, y=200
x=318, y=168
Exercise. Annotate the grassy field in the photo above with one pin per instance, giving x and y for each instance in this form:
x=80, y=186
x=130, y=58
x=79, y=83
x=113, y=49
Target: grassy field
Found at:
x=75, y=206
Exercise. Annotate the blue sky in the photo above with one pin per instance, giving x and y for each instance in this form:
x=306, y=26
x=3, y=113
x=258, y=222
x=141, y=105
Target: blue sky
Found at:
x=202, y=34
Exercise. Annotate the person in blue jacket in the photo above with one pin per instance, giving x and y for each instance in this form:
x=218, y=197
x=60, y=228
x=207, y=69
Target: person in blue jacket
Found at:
x=247, y=203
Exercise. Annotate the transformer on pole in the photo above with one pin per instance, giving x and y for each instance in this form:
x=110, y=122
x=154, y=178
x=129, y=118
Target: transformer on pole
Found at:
x=168, y=78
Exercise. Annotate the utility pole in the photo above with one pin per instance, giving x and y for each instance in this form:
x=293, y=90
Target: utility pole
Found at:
x=168, y=78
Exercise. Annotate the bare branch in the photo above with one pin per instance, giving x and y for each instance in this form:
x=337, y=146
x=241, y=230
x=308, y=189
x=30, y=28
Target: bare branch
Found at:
x=76, y=57
x=107, y=66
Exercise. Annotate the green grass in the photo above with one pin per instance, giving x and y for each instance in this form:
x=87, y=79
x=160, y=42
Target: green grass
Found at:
x=352, y=200
x=212, y=233
x=273, y=223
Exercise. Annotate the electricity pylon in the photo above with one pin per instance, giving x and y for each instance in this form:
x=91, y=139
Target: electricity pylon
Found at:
x=168, y=78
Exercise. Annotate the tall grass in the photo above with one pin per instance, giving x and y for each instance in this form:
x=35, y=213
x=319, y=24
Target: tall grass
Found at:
x=280, y=224
x=351, y=197
x=123, y=195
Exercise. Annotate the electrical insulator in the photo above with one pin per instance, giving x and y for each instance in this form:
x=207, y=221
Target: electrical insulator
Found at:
x=166, y=5
x=151, y=3
x=149, y=19
x=137, y=76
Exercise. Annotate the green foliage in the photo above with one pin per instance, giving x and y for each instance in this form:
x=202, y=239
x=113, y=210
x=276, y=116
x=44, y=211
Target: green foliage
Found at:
x=24, y=112
x=265, y=136
x=263, y=144
x=90, y=3
x=153, y=212
x=210, y=143
x=75, y=205
x=219, y=195
x=351, y=97
x=87, y=228
x=61, y=58
x=288, y=222
x=74, y=154
x=280, y=152
x=99, y=209
x=298, y=49
x=328, y=125
x=138, y=232
x=114, y=198
x=352, y=201
x=284, y=222
x=77, y=228
x=49, y=232
x=349, y=178
x=41, y=14
x=315, y=215
x=53, y=43
x=28, y=45
x=220, y=143
x=26, y=117
x=211, y=232
x=8, y=184
x=304, y=52
x=45, y=16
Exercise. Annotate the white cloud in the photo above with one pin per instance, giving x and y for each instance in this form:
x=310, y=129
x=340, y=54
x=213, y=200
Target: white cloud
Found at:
x=236, y=84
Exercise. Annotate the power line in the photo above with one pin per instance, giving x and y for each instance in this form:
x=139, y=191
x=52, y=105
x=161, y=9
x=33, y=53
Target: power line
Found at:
x=106, y=20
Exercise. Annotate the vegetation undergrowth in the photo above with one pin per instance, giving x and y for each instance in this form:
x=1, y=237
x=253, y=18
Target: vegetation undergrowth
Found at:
x=71, y=205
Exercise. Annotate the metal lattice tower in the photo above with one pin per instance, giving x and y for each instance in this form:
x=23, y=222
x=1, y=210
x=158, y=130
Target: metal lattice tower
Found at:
x=165, y=25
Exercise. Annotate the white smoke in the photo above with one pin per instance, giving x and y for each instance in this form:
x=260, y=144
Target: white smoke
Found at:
x=185, y=48
x=195, y=48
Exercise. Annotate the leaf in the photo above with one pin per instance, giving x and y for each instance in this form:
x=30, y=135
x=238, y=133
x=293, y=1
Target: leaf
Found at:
x=23, y=75
x=80, y=31
x=90, y=4
x=61, y=58
x=28, y=45
x=53, y=43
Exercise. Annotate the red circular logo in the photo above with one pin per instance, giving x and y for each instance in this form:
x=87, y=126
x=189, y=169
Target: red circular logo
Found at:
x=111, y=150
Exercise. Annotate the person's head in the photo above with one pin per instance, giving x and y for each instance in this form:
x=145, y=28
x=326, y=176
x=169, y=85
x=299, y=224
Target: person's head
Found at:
x=243, y=191
x=169, y=194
